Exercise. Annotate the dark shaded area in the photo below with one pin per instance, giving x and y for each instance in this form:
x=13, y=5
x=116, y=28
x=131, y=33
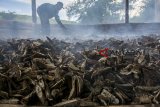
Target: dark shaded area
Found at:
x=53, y=72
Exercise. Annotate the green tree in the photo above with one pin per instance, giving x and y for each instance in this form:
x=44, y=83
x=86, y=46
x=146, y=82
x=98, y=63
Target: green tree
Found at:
x=147, y=13
x=7, y=16
x=103, y=11
x=88, y=11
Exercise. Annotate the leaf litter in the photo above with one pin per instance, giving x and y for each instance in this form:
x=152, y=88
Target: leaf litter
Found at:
x=53, y=72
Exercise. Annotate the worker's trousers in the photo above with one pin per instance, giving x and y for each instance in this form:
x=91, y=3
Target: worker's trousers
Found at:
x=45, y=25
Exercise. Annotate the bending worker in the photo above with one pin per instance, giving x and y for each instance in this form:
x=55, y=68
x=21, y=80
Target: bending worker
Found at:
x=46, y=11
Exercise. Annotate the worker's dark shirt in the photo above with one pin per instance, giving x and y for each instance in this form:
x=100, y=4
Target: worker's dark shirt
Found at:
x=49, y=10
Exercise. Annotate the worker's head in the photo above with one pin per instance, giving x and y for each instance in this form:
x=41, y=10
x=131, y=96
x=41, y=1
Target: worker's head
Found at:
x=59, y=5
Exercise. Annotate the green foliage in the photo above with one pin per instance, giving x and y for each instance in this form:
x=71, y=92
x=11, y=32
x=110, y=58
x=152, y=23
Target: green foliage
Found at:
x=7, y=16
x=103, y=11
x=88, y=11
x=28, y=19
x=147, y=14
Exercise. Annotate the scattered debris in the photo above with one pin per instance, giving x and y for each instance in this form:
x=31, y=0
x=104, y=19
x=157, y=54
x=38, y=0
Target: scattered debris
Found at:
x=52, y=72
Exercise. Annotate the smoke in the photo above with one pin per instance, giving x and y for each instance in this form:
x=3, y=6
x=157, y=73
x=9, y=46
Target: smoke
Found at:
x=95, y=32
x=76, y=33
x=99, y=32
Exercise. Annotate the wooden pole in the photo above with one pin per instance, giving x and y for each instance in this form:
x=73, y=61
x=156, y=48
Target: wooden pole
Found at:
x=34, y=16
x=126, y=11
x=157, y=10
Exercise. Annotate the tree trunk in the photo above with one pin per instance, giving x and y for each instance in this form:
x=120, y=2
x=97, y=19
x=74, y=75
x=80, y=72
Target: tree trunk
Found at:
x=34, y=16
x=157, y=10
x=126, y=11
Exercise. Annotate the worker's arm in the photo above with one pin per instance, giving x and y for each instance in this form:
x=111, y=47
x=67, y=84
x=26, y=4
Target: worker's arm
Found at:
x=65, y=30
x=59, y=21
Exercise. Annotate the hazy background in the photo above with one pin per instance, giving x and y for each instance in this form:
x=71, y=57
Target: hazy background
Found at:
x=83, y=12
x=24, y=7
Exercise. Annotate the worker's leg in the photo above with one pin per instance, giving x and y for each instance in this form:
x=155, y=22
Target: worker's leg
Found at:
x=40, y=14
x=45, y=25
x=42, y=24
